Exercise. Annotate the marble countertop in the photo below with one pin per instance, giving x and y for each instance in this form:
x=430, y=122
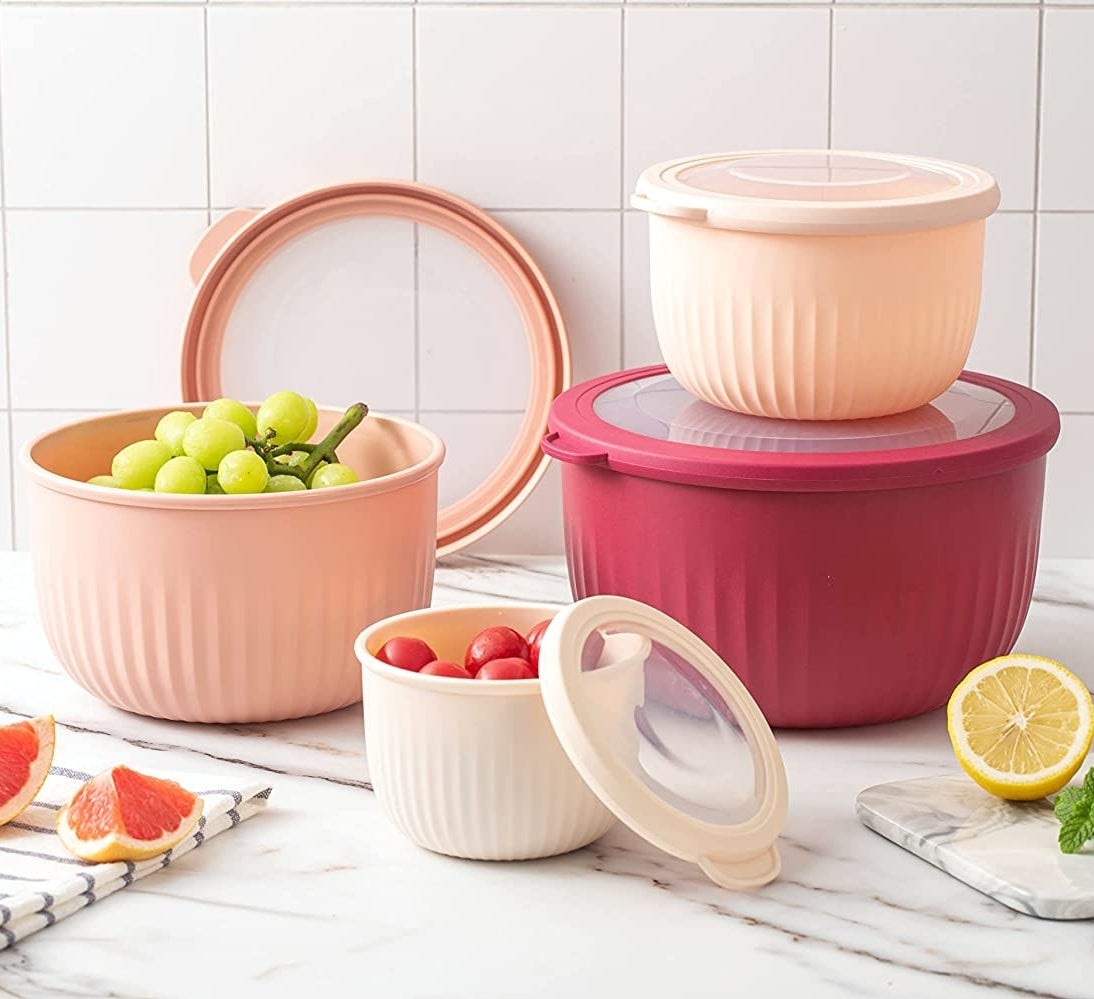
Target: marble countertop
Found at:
x=322, y=895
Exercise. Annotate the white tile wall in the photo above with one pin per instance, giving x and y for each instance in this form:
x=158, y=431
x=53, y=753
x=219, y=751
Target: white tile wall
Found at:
x=304, y=96
x=126, y=126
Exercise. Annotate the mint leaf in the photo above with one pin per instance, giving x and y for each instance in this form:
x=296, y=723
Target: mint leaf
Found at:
x=1074, y=807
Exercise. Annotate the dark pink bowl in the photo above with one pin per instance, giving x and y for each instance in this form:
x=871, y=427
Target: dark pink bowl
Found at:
x=844, y=588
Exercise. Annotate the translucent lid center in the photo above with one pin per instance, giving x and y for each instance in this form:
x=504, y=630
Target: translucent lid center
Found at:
x=817, y=176
x=365, y=308
x=659, y=408
x=669, y=725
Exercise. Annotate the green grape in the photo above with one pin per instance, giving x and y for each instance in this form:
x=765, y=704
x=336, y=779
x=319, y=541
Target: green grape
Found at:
x=333, y=475
x=171, y=427
x=104, y=480
x=212, y=486
x=285, y=413
x=311, y=478
x=234, y=412
x=209, y=439
x=313, y=422
x=135, y=466
x=181, y=475
x=242, y=472
x=284, y=484
x=296, y=458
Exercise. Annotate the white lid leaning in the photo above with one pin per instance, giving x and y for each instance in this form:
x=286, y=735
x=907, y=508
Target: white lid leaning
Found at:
x=667, y=736
x=817, y=192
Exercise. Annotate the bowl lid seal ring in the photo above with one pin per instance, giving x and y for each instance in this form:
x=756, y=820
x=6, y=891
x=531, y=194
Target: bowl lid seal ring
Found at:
x=238, y=244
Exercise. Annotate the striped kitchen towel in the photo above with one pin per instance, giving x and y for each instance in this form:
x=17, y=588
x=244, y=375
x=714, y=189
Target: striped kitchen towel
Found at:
x=41, y=882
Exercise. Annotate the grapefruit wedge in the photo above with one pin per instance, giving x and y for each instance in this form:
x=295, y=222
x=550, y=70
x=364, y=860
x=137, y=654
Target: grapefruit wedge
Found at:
x=26, y=753
x=125, y=815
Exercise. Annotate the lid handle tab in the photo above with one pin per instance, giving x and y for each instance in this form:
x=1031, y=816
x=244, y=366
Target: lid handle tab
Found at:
x=215, y=238
x=743, y=874
x=687, y=212
x=553, y=445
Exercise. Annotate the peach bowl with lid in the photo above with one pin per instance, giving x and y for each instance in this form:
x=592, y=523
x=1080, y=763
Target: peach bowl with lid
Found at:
x=814, y=284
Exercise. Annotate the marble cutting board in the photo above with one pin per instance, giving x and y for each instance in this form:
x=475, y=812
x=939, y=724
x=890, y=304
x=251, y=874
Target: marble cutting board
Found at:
x=1005, y=849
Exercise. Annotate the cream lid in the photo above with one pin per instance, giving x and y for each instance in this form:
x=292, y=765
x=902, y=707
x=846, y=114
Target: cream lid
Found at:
x=667, y=736
x=817, y=192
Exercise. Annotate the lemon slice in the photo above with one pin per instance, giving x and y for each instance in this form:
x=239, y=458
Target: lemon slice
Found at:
x=1021, y=726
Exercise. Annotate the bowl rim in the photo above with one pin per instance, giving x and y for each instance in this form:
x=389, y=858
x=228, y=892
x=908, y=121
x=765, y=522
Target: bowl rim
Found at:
x=256, y=501
x=577, y=434
x=449, y=684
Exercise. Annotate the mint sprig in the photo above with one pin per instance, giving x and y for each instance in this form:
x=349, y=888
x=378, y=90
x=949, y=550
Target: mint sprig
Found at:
x=1074, y=807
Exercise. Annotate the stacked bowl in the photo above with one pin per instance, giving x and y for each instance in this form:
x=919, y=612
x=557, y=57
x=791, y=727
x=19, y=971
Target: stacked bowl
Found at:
x=812, y=485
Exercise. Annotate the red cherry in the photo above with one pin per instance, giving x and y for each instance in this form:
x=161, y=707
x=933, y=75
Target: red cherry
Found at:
x=511, y=668
x=444, y=667
x=497, y=642
x=406, y=653
x=535, y=638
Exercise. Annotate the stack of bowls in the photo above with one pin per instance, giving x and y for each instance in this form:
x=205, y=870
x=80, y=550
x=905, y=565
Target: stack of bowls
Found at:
x=816, y=489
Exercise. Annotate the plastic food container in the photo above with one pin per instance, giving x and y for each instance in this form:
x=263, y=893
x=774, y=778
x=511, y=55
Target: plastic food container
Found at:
x=632, y=718
x=815, y=285
x=227, y=608
x=849, y=572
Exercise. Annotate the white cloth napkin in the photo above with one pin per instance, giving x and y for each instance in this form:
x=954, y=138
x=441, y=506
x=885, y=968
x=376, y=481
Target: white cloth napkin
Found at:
x=41, y=882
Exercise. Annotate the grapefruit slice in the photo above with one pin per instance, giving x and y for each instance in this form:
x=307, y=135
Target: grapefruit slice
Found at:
x=125, y=815
x=26, y=753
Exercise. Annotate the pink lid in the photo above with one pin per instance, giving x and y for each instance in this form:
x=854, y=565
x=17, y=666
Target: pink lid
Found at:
x=644, y=423
x=251, y=267
x=817, y=191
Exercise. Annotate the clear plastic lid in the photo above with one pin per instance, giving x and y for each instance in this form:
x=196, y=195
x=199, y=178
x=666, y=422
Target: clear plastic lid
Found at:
x=818, y=176
x=666, y=735
x=658, y=407
x=817, y=191
x=676, y=733
x=356, y=293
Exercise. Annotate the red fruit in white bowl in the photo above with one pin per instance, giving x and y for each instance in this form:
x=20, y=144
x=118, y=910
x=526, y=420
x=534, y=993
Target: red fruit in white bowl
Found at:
x=406, y=653
x=445, y=667
x=534, y=638
x=511, y=668
x=498, y=642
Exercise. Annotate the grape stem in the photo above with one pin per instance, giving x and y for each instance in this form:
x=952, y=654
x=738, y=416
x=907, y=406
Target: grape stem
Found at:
x=317, y=453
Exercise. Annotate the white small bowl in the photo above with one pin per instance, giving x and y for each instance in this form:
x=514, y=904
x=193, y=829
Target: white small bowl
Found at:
x=473, y=768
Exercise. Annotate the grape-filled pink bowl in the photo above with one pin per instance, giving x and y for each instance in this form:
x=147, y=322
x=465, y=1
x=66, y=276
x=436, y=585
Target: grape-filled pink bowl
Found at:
x=229, y=609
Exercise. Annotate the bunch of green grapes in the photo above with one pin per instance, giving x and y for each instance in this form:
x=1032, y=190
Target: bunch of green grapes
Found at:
x=230, y=450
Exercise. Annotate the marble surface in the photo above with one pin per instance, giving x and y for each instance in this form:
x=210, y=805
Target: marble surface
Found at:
x=1006, y=849
x=320, y=895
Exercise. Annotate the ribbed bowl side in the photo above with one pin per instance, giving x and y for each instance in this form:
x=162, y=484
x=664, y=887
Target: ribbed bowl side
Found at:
x=482, y=778
x=223, y=615
x=815, y=327
x=833, y=609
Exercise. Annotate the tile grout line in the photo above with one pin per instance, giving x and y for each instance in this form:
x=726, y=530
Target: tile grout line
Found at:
x=510, y=209
x=208, y=135
x=5, y=318
x=831, y=68
x=622, y=183
x=968, y=5
x=1031, y=361
x=417, y=227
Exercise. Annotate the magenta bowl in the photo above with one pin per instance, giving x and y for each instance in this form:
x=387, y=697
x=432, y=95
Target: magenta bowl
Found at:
x=849, y=575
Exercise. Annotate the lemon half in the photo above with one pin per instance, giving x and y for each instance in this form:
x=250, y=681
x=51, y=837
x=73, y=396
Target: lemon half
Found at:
x=1021, y=726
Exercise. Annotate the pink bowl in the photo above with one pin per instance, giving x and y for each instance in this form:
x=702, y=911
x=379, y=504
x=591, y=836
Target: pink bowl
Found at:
x=227, y=608
x=843, y=588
